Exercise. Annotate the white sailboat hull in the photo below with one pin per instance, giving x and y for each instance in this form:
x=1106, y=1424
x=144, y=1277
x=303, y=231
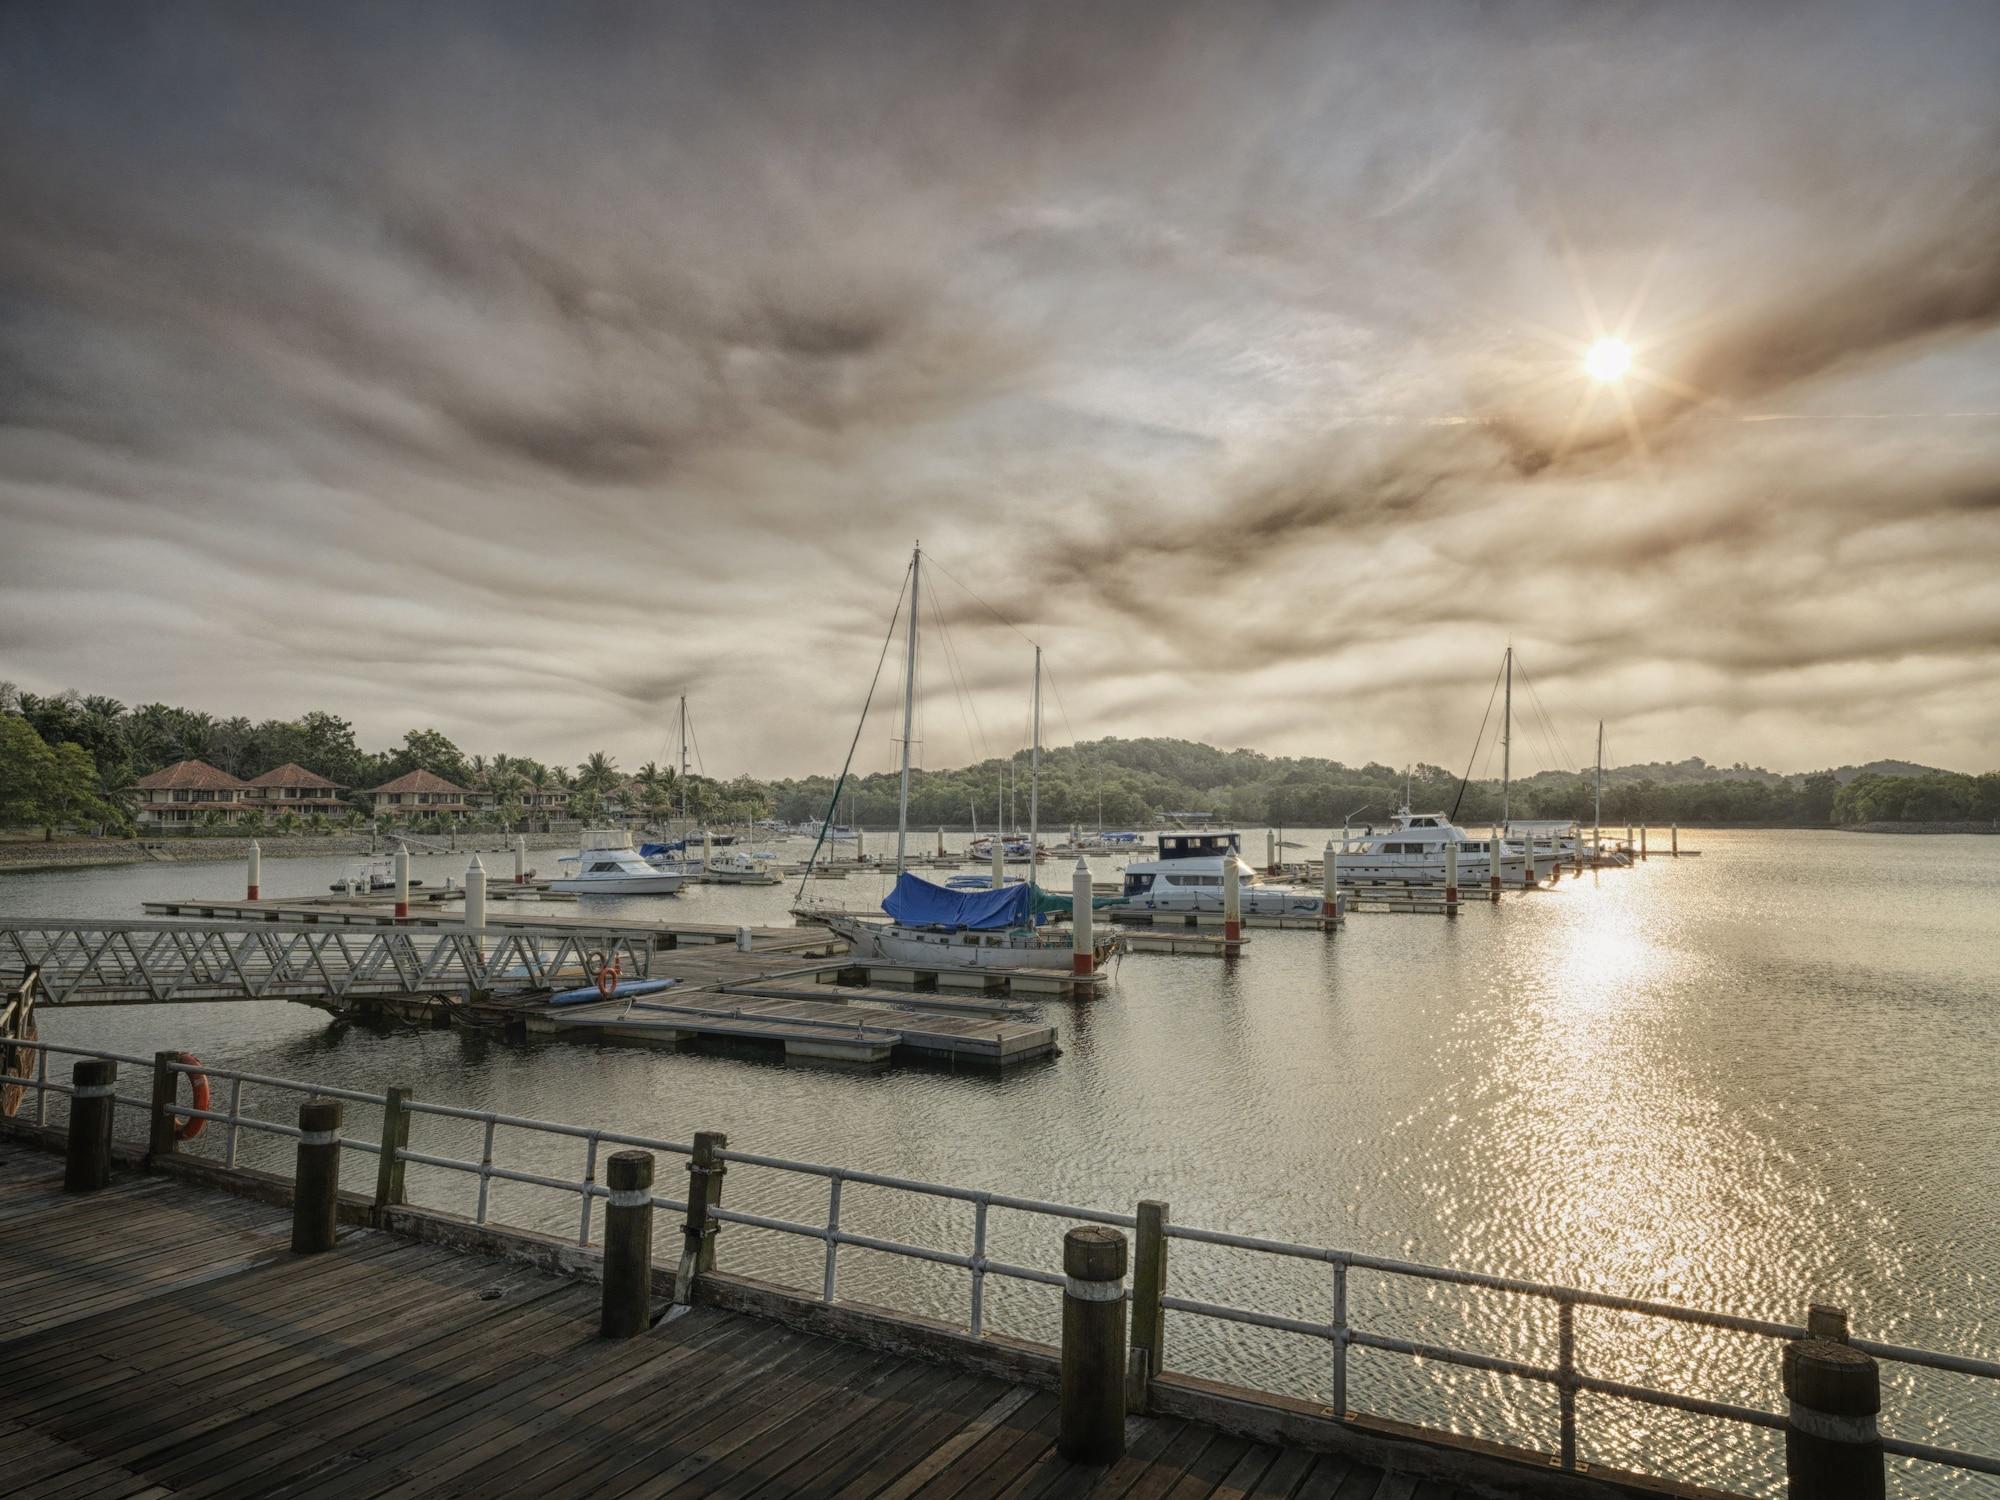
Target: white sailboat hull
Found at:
x=920, y=948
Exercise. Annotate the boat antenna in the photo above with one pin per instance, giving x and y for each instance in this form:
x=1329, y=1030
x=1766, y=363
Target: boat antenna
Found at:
x=833, y=802
x=1035, y=777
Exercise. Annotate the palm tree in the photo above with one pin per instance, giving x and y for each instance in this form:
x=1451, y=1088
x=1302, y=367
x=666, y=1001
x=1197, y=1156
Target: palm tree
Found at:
x=354, y=821
x=212, y=818
x=317, y=823
x=119, y=789
x=598, y=774
x=252, y=822
x=648, y=776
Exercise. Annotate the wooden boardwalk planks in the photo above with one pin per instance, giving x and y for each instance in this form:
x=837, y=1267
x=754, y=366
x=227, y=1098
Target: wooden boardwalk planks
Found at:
x=161, y=1339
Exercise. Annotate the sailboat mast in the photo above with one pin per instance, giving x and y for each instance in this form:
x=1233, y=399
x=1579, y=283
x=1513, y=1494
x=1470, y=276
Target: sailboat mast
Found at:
x=909, y=709
x=1507, y=740
x=1597, y=796
x=684, y=758
x=1035, y=769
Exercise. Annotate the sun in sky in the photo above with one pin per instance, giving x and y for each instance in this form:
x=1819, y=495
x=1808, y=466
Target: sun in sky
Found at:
x=1608, y=359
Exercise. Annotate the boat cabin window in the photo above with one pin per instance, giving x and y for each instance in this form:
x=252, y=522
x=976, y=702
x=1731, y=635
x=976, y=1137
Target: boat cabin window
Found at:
x=1198, y=845
x=1138, y=885
x=604, y=867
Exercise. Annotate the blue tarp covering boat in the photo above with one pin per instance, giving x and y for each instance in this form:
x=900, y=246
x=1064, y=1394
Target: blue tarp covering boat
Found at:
x=652, y=851
x=915, y=902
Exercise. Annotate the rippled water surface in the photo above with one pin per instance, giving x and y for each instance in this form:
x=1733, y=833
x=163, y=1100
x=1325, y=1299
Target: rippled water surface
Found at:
x=1747, y=1081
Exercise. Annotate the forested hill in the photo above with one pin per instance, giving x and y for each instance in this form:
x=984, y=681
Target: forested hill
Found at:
x=1136, y=783
x=70, y=760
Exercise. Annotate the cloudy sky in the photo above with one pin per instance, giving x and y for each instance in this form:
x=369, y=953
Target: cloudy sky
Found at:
x=514, y=369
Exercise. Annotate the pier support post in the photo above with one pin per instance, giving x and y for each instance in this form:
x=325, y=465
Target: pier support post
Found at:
x=1082, y=921
x=940, y=843
x=860, y=844
x=745, y=940
x=1675, y=833
x=628, y=1245
x=395, y=1137
x=402, y=882
x=1451, y=877
x=1832, y=1448
x=316, y=1178
x=255, y=879
x=520, y=859
x=1270, y=852
x=1329, y=894
x=1576, y=849
x=1091, y=1423
x=999, y=861
x=1631, y=847
x=1232, y=901
x=1642, y=842
x=1530, y=876
x=92, y=1102
x=475, y=895
x=162, y=1125
x=1148, y=1354
x=705, y=1171
x=1493, y=852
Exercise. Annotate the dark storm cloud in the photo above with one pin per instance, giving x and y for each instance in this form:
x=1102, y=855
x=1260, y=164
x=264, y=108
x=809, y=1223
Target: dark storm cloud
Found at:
x=517, y=368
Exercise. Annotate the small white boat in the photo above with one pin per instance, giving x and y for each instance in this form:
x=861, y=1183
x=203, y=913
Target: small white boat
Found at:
x=1188, y=877
x=738, y=867
x=377, y=875
x=608, y=865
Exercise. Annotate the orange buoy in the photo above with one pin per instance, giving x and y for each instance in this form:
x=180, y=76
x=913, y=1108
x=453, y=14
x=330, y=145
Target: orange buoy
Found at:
x=607, y=981
x=187, y=1129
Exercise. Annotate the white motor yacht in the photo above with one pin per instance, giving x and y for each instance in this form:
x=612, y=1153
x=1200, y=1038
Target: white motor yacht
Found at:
x=608, y=865
x=1188, y=876
x=1411, y=849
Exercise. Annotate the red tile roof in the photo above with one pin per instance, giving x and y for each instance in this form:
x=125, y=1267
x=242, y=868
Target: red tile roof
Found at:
x=419, y=781
x=188, y=776
x=292, y=774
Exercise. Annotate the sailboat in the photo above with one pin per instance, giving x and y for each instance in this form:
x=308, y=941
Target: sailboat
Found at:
x=932, y=926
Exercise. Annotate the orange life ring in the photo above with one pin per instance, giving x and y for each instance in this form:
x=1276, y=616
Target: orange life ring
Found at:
x=200, y=1097
x=607, y=981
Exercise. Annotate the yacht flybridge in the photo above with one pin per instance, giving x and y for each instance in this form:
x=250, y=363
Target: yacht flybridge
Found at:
x=1188, y=877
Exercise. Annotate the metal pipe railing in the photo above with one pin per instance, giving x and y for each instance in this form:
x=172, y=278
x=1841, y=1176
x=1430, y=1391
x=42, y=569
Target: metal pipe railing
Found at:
x=1338, y=1331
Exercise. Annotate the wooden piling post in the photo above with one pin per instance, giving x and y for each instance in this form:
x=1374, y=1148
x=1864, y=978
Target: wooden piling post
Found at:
x=395, y=1136
x=628, y=1245
x=705, y=1172
x=1833, y=1450
x=1270, y=852
x=402, y=883
x=316, y=1178
x=1451, y=878
x=92, y=1102
x=1530, y=877
x=255, y=881
x=1232, y=902
x=999, y=860
x=475, y=895
x=1329, y=905
x=162, y=1128
x=1674, y=831
x=1091, y=1422
x=1494, y=849
x=1149, y=1319
x=1642, y=841
x=520, y=859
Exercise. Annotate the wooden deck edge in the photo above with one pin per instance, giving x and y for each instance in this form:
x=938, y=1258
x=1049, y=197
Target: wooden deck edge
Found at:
x=1487, y=1467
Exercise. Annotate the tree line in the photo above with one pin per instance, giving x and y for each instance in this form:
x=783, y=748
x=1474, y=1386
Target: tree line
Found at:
x=71, y=760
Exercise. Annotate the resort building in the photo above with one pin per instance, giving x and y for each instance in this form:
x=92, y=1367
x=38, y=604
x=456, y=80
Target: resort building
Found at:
x=291, y=788
x=187, y=793
x=419, y=794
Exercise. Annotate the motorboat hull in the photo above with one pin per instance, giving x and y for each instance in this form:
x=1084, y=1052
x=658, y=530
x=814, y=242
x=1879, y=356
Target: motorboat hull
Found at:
x=661, y=884
x=919, y=948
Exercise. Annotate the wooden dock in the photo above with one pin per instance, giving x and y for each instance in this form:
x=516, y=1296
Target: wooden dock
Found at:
x=161, y=1339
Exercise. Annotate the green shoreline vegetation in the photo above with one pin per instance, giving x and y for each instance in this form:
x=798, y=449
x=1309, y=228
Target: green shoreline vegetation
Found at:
x=71, y=761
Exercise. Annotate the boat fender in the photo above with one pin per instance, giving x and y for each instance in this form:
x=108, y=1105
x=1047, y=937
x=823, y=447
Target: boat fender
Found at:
x=199, y=1097
x=607, y=981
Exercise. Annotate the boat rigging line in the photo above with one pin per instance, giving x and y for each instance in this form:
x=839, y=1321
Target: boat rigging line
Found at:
x=833, y=802
x=1484, y=720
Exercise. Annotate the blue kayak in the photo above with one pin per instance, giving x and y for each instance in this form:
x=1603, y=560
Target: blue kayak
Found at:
x=625, y=991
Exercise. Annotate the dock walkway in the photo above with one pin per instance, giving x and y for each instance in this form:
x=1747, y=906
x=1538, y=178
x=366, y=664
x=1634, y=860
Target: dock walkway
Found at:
x=160, y=1339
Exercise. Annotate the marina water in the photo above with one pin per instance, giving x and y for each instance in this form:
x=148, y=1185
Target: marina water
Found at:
x=1744, y=1082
